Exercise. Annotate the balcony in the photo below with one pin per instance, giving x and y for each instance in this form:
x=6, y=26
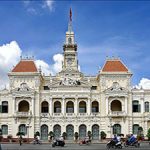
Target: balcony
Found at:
x=57, y=114
x=45, y=115
x=23, y=114
x=82, y=114
x=70, y=114
x=117, y=114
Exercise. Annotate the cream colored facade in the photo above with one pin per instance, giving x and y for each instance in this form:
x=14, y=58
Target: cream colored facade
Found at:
x=73, y=102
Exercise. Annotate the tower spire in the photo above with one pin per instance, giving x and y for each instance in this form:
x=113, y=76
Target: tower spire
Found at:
x=70, y=21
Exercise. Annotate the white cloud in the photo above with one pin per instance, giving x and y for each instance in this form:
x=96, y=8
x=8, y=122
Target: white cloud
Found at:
x=44, y=66
x=144, y=83
x=49, y=4
x=9, y=55
x=57, y=66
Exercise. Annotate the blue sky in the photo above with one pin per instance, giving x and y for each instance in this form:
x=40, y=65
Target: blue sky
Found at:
x=102, y=28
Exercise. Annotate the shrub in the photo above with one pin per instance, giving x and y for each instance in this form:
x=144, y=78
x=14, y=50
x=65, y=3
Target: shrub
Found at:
x=103, y=135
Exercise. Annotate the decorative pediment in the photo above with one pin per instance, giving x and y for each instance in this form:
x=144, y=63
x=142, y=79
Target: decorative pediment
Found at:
x=23, y=89
x=116, y=88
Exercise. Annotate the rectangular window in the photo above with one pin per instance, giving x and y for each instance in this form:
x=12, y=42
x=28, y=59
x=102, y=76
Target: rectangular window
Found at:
x=46, y=87
x=94, y=88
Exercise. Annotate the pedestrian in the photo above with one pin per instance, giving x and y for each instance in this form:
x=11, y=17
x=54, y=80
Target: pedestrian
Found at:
x=20, y=140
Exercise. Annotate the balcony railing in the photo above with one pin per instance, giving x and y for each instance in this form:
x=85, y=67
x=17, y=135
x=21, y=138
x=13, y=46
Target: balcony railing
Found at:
x=70, y=114
x=117, y=113
x=45, y=115
x=23, y=114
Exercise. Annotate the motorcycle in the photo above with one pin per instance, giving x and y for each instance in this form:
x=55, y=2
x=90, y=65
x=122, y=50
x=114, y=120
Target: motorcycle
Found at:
x=86, y=142
x=135, y=144
x=37, y=142
x=113, y=144
x=58, y=143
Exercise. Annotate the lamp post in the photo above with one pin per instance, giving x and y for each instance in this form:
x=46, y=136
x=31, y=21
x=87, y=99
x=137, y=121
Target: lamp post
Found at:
x=110, y=126
x=28, y=126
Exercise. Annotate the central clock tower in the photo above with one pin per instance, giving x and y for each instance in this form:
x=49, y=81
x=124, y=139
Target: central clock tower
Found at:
x=70, y=49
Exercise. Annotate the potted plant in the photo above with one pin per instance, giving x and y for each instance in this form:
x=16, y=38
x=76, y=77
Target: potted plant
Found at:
x=9, y=137
x=51, y=135
x=64, y=135
x=37, y=133
x=103, y=135
x=1, y=138
x=89, y=135
x=76, y=135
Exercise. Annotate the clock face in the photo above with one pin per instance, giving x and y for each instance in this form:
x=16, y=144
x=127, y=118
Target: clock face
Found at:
x=69, y=61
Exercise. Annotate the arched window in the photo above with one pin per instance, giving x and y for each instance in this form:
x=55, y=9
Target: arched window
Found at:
x=70, y=107
x=69, y=40
x=116, y=105
x=44, y=107
x=117, y=129
x=146, y=106
x=4, y=129
x=82, y=107
x=136, y=106
x=135, y=128
x=57, y=107
x=23, y=106
x=22, y=128
x=95, y=107
x=4, y=107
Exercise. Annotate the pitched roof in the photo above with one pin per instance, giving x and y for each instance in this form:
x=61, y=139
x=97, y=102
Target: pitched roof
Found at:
x=25, y=66
x=114, y=65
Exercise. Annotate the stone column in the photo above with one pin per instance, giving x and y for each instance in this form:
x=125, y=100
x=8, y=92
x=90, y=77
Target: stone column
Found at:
x=88, y=106
x=107, y=106
x=126, y=105
x=142, y=105
x=51, y=106
x=63, y=106
x=76, y=106
x=33, y=106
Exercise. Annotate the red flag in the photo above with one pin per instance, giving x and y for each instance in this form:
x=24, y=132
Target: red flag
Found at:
x=70, y=15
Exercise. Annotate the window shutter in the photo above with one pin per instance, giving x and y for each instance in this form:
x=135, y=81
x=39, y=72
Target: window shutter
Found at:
x=0, y=108
x=139, y=108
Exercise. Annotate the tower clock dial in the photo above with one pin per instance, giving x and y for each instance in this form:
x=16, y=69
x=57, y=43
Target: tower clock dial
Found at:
x=69, y=61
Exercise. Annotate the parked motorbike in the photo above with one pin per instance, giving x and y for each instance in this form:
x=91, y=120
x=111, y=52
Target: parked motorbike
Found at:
x=113, y=144
x=58, y=143
x=135, y=144
x=85, y=142
x=37, y=142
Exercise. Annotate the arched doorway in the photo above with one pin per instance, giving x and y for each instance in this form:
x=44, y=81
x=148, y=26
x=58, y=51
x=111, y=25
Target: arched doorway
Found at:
x=82, y=131
x=23, y=106
x=44, y=132
x=44, y=107
x=95, y=132
x=116, y=129
x=70, y=107
x=57, y=131
x=116, y=105
x=70, y=132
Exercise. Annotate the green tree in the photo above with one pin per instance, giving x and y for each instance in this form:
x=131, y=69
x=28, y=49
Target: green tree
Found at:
x=148, y=134
x=76, y=135
x=64, y=135
x=51, y=134
x=103, y=135
x=89, y=135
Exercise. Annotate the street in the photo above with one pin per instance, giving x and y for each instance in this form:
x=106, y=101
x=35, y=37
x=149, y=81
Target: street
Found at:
x=144, y=146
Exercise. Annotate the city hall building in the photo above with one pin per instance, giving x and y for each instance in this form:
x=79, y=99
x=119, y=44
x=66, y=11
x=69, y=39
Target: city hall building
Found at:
x=71, y=101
